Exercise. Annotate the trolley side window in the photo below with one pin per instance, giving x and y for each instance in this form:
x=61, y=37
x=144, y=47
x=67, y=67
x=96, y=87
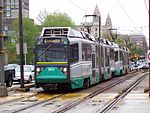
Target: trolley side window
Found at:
x=128, y=58
x=121, y=55
x=111, y=54
x=74, y=54
x=107, y=53
x=102, y=56
x=86, y=52
x=116, y=56
x=97, y=56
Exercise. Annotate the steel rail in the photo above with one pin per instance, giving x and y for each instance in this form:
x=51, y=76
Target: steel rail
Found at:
x=70, y=105
x=37, y=103
x=110, y=105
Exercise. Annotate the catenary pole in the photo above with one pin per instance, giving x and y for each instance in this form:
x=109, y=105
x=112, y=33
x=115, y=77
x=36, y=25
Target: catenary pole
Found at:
x=21, y=45
x=3, y=89
x=149, y=47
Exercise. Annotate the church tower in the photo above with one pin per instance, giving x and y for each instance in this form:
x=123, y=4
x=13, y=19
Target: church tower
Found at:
x=96, y=12
x=108, y=23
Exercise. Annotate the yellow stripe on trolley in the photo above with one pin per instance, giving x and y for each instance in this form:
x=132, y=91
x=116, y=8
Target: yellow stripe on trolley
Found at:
x=51, y=62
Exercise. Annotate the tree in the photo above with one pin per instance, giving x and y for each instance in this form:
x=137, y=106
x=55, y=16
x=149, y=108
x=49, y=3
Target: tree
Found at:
x=41, y=16
x=10, y=48
x=56, y=19
x=30, y=33
x=107, y=36
x=120, y=41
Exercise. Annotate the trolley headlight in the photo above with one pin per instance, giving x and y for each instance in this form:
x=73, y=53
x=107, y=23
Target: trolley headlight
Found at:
x=65, y=70
x=38, y=69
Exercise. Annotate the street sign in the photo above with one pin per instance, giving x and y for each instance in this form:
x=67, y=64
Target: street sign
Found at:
x=24, y=48
x=148, y=56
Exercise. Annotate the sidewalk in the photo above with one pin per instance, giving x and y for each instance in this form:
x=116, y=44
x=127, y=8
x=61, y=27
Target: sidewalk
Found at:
x=136, y=101
x=15, y=93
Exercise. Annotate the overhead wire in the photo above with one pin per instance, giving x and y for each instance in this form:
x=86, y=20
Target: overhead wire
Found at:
x=125, y=12
x=76, y=6
x=146, y=6
x=128, y=15
x=118, y=3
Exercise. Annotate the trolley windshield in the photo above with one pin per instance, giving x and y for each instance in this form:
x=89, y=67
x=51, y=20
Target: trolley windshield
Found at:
x=51, y=53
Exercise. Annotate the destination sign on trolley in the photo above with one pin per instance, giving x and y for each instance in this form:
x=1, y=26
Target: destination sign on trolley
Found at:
x=51, y=40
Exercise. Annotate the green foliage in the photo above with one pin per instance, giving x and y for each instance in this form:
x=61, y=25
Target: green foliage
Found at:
x=120, y=41
x=30, y=32
x=134, y=49
x=107, y=36
x=56, y=19
x=111, y=37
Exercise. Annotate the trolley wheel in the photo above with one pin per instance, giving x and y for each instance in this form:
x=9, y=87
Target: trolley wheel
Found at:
x=103, y=78
x=113, y=74
x=63, y=87
x=126, y=71
x=46, y=88
x=86, y=83
x=121, y=73
x=9, y=82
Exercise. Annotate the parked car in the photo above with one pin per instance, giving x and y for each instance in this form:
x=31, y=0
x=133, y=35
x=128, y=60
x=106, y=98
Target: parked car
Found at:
x=9, y=74
x=28, y=73
x=141, y=65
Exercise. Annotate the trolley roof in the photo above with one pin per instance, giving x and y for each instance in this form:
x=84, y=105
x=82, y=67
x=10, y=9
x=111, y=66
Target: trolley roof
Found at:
x=66, y=31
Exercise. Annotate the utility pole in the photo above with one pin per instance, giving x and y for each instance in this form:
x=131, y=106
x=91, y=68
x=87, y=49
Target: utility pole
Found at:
x=99, y=27
x=149, y=47
x=3, y=89
x=21, y=45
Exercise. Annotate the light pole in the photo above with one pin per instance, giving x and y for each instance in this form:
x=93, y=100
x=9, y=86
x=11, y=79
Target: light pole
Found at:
x=99, y=18
x=3, y=89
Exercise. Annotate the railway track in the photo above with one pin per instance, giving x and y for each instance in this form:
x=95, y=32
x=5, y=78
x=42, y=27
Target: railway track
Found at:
x=69, y=105
x=77, y=102
x=66, y=107
x=110, y=105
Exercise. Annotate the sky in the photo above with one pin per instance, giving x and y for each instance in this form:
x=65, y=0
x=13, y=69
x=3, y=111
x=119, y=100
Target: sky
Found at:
x=128, y=16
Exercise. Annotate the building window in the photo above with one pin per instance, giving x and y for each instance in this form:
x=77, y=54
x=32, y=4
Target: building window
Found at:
x=5, y=28
x=8, y=8
x=12, y=4
x=95, y=29
x=8, y=14
x=95, y=34
x=108, y=22
x=82, y=29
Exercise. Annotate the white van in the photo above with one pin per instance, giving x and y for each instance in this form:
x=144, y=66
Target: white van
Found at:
x=28, y=73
